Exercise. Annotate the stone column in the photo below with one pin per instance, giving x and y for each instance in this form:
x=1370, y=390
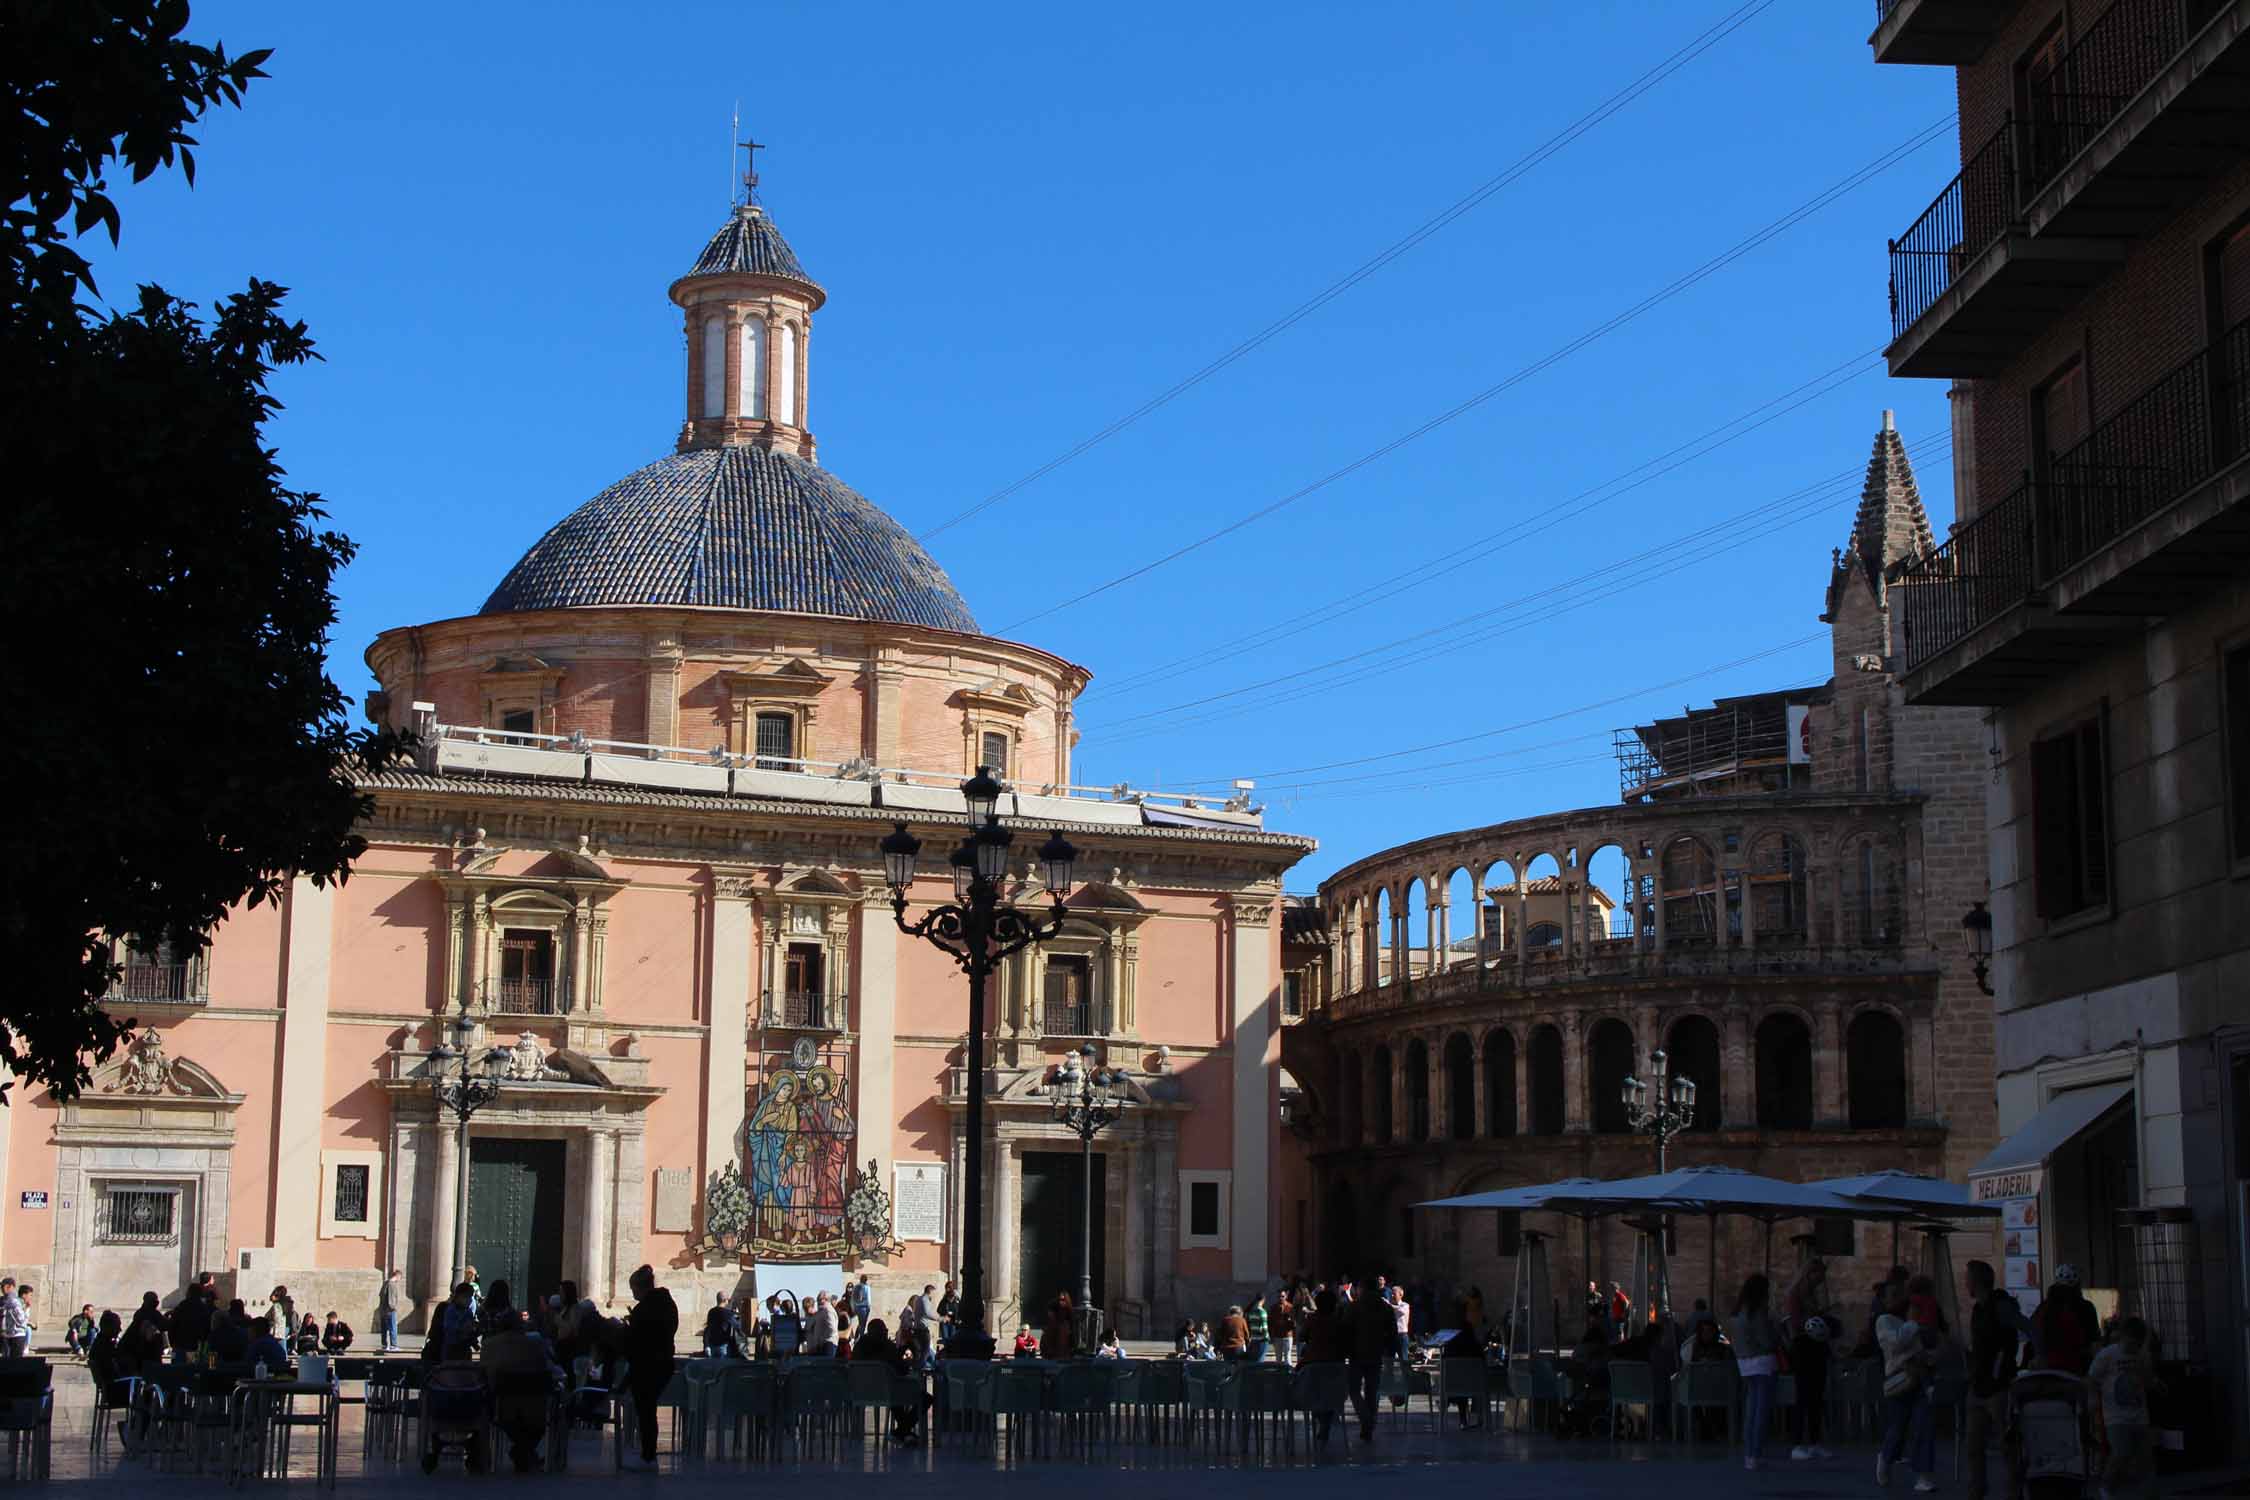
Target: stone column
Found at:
x=456, y=948
x=1523, y=927
x=601, y=1213
x=1523, y=1085
x=733, y=957
x=1831, y=1109
x=1574, y=1070
x=1480, y=1107
x=1001, y=1197
x=1659, y=902
x=1569, y=920
x=1256, y=1052
x=1738, y=1093
x=446, y=1145
x=1113, y=975
x=302, y=1077
x=874, y=1110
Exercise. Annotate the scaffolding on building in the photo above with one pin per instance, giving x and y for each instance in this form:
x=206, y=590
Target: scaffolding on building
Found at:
x=1735, y=746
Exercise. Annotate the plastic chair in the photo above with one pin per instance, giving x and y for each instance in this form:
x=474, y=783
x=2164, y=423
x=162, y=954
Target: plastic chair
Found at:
x=1162, y=1398
x=1531, y=1381
x=113, y=1404
x=1704, y=1385
x=965, y=1396
x=746, y=1406
x=1210, y=1397
x=1079, y=1397
x=1467, y=1380
x=27, y=1415
x=1268, y=1391
x=1632, y=1382
x=816, y=1395
x=871, y=1390
x=1019, y=1394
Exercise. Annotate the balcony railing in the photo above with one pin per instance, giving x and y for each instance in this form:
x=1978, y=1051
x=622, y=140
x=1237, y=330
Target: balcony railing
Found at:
x=1966, y=220
x=2179, y=433
x=1082, y=1019
x=160, y=983
x=522, y=997
x=808, y=1010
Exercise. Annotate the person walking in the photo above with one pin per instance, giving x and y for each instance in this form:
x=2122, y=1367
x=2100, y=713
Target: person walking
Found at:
x=15, y=1323
x=1233, y=1334
x=2118, y=1380
x=820, y=1328
x=1370, y=1337
x=1402, y=1315
x=1756, y=1340
x=862, y=1304
x=1258, y=1327
x=1996, y=1334
x=1906, y=1393
x=388, y=1299
x=1810, y=1326
x=652, y=1326
x=1285, y=1327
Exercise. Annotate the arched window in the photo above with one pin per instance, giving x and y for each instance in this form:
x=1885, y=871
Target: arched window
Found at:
x=754, y=368
x=714, y=367
x=1785, y=1073
x=1693, y=1050
x=1875, y=1071
x=1354, y=1089
x=1379, y=1085
x=1386, y=954
x=1418, y=1090
x=1545, y=1067
x=1499, y=1082
x=1777, y=888
x=1609, y=1056
x=785, y=387
x=1460, y=1088
x=1543, y=935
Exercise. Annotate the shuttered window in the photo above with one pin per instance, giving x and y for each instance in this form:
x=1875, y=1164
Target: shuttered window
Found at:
x=2070, y=823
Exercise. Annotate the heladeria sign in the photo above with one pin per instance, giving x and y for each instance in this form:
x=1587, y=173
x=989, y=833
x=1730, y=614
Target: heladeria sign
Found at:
x=2002, y=1186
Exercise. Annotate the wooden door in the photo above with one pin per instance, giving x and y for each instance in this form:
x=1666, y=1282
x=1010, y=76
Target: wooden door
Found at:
x=516, y=1215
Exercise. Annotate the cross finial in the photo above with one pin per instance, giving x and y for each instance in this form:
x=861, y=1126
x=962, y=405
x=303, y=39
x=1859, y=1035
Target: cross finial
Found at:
x=750, y=150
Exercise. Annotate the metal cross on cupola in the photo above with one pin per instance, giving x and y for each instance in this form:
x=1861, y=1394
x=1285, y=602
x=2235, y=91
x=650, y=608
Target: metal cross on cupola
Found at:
x=750, y=150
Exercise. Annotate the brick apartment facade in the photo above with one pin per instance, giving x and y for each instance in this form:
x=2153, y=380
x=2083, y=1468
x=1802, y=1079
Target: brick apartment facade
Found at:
x=2085, y=283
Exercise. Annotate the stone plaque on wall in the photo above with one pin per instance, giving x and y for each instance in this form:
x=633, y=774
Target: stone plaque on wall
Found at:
x=918, y=1201
x=675, y=1200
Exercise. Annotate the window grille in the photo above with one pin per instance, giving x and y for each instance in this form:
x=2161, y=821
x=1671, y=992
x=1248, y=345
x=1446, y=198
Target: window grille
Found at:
x=777, y=742
x=351, y=1192
x=995, y=753
x=140, y=1216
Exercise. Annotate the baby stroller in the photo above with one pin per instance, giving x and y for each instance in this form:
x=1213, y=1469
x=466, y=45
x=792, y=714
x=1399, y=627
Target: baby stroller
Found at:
x=2046, y=1435
x=457, y=1414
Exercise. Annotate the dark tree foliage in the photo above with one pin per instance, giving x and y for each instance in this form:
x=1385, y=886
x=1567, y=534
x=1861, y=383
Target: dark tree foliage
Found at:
x=172, y=745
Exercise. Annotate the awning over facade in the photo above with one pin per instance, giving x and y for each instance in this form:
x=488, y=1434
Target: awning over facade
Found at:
x=2064, y=1118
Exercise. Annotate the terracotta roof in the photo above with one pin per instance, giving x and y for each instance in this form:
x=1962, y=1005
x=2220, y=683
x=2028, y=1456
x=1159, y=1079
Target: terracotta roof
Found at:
x=736, y=528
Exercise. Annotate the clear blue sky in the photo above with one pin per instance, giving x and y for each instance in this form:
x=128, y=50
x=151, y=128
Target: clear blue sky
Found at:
x=1031, y=219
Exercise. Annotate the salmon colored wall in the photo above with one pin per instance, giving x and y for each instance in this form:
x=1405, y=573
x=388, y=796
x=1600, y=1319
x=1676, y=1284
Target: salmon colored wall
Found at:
x=389, y=944
x=1182, y=973
x=655, y=954
x=1207, y=1129
x=923, y=1133
x=245, y=958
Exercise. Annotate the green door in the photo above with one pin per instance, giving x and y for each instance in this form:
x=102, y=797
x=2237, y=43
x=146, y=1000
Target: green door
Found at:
x=516, y=1215
x=1052, y=1220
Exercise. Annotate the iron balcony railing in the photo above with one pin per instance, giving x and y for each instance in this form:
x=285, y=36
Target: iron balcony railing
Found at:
x=810, y=1010
x=521, y=997
x=2180, y=432
x=2120, y=54
x=1966, y=219
x=159, y=983
x=1082, y=1019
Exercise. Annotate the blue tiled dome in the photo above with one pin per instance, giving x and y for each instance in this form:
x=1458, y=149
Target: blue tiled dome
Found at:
x=748, y=243
x=735, y=528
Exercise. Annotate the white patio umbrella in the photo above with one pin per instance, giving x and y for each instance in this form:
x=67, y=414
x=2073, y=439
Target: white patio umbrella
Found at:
x=1568, y=1197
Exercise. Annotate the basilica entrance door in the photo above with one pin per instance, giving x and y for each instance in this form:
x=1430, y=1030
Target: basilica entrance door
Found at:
x=1051, y=1230
x=516, y=1215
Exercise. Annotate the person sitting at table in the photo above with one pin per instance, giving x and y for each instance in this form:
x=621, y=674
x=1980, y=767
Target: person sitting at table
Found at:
x=1109, y=1347
x=519, y=1405
x=267, y=1350
x=875, y=1346
x=1466, y=1343
x=335, y=1335
x=230, y=1331
x=1200, y=1346
x=1184, y=1340
x=307, y=1340
x=456, y=1334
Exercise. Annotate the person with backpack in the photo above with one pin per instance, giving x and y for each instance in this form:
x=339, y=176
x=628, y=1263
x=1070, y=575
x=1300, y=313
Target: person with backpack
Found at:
x=2065, y=1327
x=1996, y=1334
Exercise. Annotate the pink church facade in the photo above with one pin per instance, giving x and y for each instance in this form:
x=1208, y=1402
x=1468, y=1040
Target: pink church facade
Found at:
x=636, y=858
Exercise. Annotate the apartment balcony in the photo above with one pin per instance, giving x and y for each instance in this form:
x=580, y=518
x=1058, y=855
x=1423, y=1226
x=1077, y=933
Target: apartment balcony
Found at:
x=2149, y=513
x=1947, y=32
x=2140, y=114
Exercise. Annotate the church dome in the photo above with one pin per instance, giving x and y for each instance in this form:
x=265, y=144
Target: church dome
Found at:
x=735, y=527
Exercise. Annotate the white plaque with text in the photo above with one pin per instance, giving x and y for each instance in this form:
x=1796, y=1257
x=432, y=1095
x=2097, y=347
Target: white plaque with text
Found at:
x=918, y=1200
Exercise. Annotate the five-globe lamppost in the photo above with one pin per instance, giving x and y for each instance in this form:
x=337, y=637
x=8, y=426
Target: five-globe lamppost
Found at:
x=1671, y=1111
x=979, y=928
x=1087, y=1100
x=462, y=1094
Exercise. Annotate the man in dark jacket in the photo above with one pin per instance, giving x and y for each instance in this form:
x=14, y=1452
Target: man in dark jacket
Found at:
x=189, y=1326
x=1997, y=1328
x=1371, y=1336
x=651, y=1329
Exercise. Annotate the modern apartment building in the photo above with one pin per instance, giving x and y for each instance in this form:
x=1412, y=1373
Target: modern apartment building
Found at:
x=2084, y=282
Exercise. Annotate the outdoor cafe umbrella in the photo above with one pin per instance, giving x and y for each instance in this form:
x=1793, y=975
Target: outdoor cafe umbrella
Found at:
x=1567, y=1197
x=1927, y=1197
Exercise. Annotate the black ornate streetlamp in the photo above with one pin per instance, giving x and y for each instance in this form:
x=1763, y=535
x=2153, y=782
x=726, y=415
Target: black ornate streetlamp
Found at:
x=979, y=928
x=462, y=1095
x=1671, y=1111
x=1088, y=1100
x=1977, y=927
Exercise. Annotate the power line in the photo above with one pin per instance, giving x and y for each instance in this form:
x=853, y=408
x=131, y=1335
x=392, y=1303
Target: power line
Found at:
x=1453, y=559
x=1727, y=257
x=1668, y=556
x=1725, y=26
x=1523, y=724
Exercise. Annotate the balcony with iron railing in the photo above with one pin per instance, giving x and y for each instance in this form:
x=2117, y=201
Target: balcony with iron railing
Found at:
x=522, y=997
x=1947, y=32
x=2138, y=116
x=1082, y=1018
x=2138, y=519
x=153, y=982
x=803, y=1010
